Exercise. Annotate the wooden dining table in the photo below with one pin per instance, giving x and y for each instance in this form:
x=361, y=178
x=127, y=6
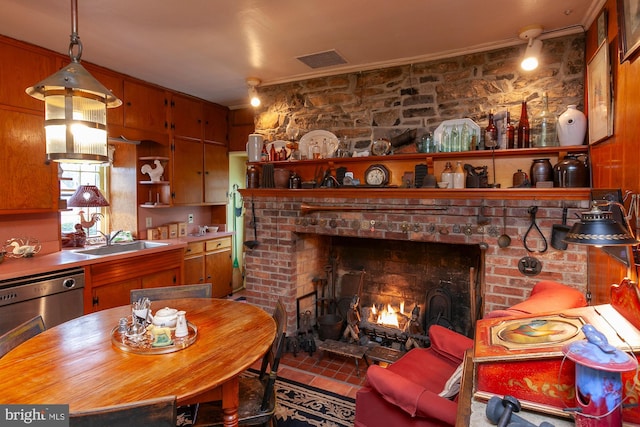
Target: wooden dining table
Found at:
x=76, y=363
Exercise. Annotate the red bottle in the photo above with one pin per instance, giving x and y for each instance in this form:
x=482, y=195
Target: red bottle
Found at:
x=523, y=128
x=491, y=134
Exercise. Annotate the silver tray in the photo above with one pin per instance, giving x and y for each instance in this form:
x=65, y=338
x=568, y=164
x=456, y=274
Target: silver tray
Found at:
x=144, y=343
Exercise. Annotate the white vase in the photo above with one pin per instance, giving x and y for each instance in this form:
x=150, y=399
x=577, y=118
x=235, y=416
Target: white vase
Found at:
x=572, y=127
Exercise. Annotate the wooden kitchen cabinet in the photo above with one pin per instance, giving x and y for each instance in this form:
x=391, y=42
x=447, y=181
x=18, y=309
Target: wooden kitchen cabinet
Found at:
x=115, y=83
x=23, y=66
x=107, y=284
x=210, y=262
x=29, y=184
x=216, y=174
x=145, y=107
x=215, y=123
x=186, y=116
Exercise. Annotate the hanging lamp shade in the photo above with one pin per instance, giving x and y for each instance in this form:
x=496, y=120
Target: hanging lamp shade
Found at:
x=598, y=228
x=75, y=109
x=87, y=196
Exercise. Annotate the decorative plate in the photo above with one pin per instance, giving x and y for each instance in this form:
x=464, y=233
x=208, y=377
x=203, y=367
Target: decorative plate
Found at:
x=20, y=247
x=318, y=138
x=381, y=147
x=279, y=144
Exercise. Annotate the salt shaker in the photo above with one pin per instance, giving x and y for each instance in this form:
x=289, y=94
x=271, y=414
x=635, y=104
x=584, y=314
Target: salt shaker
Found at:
x=181, y=325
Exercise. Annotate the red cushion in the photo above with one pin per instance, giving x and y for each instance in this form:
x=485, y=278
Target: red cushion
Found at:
x=546, y=296
x=410, y=397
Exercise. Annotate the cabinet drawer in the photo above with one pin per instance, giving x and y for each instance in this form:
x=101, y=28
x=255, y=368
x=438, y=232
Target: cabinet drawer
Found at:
x=194, y=248
x=217, y=244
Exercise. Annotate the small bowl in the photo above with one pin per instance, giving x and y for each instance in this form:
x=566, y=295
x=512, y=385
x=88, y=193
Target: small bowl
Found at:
x=443, y=184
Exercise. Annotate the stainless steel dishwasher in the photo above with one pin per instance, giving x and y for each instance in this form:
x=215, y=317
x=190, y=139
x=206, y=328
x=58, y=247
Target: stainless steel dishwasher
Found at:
x=56, y=296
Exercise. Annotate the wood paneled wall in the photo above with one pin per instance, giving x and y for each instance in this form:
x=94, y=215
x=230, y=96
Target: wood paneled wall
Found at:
x=615, y=160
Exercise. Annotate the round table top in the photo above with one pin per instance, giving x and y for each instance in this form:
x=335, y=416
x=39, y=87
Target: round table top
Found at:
x=75, y=363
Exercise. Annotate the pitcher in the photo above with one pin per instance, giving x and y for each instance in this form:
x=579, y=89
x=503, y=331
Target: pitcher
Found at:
x=254, y=147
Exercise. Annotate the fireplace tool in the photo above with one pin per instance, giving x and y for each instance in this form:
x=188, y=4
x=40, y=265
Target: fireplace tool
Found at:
x=253, y=243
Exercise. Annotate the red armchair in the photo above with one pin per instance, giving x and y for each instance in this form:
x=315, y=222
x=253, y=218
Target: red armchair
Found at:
x=406, y=393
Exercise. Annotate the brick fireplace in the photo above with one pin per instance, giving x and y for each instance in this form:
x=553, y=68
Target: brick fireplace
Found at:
x=296, y=245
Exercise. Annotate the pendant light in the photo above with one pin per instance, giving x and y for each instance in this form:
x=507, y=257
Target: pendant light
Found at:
x=75, y=108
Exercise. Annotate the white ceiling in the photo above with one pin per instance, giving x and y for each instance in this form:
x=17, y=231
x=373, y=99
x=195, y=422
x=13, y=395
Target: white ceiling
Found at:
x=208, y=48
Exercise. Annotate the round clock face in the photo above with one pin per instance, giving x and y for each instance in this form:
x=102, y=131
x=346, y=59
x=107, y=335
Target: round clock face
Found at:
x=376, y=175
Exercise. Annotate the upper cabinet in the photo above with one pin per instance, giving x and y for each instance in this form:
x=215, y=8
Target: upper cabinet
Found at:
x=29, y=183
x=115, y=83
x=215, y=123
x=145, y=107
x=186, y=116
x=22, y=67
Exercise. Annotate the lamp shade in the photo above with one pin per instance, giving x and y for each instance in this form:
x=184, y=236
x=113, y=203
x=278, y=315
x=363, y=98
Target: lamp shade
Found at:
x=87, y=196
x=531, y=55
x=598, y=228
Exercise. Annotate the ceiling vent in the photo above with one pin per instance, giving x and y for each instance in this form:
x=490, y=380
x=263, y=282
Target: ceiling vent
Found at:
x=322, y=59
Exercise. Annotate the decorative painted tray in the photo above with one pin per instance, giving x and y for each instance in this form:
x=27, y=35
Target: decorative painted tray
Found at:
x=148, y=343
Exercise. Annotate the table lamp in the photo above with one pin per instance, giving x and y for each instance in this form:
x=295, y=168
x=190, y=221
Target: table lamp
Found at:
x=88, y=196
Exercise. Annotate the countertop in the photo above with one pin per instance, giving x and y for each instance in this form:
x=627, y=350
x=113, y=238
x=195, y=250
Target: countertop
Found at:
x=13, y=268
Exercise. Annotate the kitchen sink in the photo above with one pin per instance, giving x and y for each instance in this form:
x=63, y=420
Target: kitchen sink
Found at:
x=118, y=248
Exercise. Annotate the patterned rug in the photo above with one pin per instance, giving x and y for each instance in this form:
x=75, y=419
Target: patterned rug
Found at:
x=300, y=405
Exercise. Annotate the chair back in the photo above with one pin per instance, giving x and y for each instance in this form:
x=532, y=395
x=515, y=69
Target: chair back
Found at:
x=200, y=290
x=160, y=412
x=272, y=357
x=16, y=336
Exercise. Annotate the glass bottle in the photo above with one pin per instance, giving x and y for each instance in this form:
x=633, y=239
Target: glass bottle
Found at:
x=465, y=139
x=264, y=156
x=445, y=140
x=273, y=156
x=491, y=134
x=447, y=175
x=543, y=131
x=523, y=128
x=458, y=176
x=455, y=139
x=510, y=131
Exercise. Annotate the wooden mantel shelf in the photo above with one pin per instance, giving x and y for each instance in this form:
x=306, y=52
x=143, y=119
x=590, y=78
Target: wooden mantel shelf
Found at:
x=424, y=193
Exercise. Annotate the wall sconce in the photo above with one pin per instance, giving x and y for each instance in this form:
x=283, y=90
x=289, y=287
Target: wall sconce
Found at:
x=75, y=108
x=253, y=82
x=534, y=46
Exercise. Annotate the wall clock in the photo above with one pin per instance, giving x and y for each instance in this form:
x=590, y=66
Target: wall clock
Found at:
x=377, y=175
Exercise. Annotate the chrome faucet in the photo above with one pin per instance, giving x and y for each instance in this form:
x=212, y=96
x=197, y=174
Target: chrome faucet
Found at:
x=108, y=238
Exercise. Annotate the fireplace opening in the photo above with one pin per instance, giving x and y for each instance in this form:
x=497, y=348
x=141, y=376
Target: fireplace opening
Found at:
x=438, y=281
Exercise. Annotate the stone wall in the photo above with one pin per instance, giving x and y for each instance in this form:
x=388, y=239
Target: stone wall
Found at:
x=383, y=103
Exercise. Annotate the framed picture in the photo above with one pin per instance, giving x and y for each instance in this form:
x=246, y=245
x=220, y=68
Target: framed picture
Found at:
x=599, y=92
x=602, y=27
x=629, y=27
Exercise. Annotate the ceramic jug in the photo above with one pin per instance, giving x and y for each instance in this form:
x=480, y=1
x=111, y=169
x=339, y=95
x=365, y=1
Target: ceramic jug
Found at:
x=572, y=171
x=572, y=127
x=254, y=147
x=541, y=171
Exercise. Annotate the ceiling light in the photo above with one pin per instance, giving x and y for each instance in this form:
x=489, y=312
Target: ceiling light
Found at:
x=75, y=108
x=534, y=46
x=253, y=82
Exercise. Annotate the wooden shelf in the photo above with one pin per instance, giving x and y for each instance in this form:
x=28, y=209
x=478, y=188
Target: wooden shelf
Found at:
x=426, y=193
x=160, y=206
x=153, y=158
x=153, y=182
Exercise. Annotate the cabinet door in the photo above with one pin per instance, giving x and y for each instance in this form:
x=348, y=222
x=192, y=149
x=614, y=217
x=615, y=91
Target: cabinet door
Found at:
x=28, y=184
x=194, y=270
x=216, y=173
x=186, y=117
x=158, y=279
x=113, y=294
x=145, y=107
x=187, y=171
x=20, y=68
x=215, y=123
x=219, y=272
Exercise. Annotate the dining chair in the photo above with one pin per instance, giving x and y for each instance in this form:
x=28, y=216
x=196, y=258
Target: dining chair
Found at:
x=257, y=392
x=200, y=290
x=158, y=412
x=16, y=336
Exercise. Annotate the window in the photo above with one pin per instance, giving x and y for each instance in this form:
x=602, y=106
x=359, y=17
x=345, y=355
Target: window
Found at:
x=73, y=175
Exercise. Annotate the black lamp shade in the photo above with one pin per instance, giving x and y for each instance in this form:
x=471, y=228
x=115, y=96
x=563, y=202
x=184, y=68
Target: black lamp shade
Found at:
x=598, y=228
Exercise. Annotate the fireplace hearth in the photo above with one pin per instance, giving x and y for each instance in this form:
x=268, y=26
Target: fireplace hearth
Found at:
x=295, y=248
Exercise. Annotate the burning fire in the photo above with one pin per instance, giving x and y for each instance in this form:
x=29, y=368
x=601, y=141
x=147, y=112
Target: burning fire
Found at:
x=387, y=316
